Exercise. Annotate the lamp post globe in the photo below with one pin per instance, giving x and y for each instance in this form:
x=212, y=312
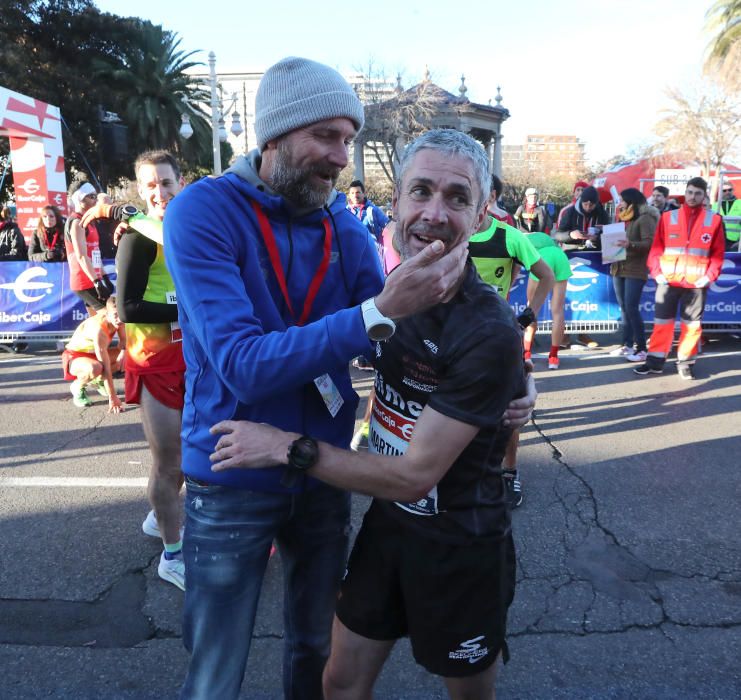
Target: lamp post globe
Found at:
x=236, y=127
x=186, y=130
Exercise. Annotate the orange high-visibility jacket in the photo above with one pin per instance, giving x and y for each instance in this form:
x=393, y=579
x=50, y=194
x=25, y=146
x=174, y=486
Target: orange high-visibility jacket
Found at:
x=684, y=255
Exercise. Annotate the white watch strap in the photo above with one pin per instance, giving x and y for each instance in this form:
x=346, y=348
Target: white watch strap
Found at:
x=377, y=326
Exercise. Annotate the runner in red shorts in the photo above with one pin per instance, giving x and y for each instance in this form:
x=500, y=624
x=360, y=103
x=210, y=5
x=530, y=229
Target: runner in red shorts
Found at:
x=155, y=369
x=86, y=360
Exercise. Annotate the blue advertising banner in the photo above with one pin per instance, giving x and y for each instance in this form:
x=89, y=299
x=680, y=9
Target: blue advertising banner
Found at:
x=590, y=296
x=35, y=299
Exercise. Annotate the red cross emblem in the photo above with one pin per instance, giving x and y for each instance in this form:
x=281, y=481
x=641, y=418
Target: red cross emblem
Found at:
x=705, y=238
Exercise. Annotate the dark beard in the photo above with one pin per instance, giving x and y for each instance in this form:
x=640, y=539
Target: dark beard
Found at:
x=293, y=183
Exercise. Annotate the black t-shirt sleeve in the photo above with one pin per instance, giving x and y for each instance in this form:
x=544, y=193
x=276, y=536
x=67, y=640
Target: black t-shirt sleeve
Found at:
x=483, y=371
x=135, y=256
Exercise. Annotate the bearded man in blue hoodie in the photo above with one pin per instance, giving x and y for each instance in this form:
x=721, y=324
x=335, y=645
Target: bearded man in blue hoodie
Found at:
x=278, y=286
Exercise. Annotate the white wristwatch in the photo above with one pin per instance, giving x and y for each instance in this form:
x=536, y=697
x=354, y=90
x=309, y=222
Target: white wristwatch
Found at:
x=377, y=326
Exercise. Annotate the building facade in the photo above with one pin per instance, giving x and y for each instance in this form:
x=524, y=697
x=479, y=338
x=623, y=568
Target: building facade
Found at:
x=546, y=155
x=236, y=92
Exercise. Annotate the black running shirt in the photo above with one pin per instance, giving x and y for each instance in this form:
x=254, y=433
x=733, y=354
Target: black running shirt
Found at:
x=464, y=359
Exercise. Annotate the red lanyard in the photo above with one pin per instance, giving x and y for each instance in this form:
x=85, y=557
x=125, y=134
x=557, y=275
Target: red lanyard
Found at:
x=53, y=244
x=316, y=282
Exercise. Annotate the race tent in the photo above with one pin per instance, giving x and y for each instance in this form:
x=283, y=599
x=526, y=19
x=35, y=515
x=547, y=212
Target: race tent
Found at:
x=647, y=173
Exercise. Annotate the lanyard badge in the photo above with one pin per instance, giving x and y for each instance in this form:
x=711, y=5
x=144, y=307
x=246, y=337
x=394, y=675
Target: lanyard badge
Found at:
x=329, y=392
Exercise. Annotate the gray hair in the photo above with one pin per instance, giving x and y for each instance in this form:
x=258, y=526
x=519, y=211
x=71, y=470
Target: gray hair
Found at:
x=452, y=143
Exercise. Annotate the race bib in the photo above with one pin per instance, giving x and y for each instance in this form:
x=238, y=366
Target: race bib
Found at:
x=171, y=297
x=389, y=434
x=330, y=394
x=97, y=259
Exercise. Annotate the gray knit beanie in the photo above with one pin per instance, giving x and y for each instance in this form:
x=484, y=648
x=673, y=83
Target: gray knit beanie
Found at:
x=296, y=92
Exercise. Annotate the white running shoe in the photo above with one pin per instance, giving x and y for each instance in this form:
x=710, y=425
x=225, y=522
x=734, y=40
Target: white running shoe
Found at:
x=639, y=356
x=621, y=352
x=172, y=570
x=151, y=527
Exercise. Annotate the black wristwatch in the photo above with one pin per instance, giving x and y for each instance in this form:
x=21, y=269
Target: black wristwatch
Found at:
x=127, y=211
x=526, y=317
x=302, y=456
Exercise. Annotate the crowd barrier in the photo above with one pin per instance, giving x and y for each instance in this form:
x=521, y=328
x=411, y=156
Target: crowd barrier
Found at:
x=36, y=303
x=591, y=304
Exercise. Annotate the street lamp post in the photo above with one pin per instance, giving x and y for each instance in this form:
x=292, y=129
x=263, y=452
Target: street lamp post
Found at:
x=215, y=113
x=218, y=130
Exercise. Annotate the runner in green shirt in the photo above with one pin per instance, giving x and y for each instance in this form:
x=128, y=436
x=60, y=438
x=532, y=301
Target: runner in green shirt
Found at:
x=498, y=250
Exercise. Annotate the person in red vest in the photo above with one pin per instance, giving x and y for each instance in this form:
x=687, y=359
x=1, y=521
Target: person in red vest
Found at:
x=87, y=278
x=685, y=259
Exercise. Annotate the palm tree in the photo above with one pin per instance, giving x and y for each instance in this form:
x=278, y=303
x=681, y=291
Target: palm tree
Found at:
x=723, y=19
x=153, y=89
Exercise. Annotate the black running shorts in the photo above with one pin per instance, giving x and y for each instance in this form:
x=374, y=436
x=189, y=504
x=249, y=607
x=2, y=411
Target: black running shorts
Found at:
x=450, y=599
x=90, y=298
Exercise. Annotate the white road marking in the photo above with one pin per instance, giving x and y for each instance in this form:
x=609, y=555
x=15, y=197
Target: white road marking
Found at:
x=73, y=482
x=33, y=360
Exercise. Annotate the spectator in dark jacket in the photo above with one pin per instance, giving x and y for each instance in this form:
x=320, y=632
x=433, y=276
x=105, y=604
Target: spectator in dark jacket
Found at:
x=578, y=189
x=581, y=223
x=47, y=242
x=531, y=216
x=661, y=201
x=12, y=243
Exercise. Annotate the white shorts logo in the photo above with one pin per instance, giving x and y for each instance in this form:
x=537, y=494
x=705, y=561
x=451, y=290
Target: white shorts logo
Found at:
x=470, y=650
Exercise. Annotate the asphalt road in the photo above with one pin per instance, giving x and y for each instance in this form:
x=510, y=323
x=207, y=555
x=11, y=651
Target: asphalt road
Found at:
x=629, y=546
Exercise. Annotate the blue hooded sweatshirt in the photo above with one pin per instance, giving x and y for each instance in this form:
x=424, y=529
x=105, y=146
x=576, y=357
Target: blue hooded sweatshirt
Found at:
x=245, y=357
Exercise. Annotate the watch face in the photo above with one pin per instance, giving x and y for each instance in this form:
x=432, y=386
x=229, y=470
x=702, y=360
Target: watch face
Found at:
x=129, y=210
x=303, y=453
x=381, y=331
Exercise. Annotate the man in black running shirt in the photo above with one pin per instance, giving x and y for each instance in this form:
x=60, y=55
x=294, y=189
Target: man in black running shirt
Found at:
x=434, y=559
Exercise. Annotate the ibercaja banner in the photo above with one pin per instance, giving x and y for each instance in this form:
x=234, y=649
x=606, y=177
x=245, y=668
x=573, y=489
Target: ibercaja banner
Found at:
x=36, y=155
x=36, y=298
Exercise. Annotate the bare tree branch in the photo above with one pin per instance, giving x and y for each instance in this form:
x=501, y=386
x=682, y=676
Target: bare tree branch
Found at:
x=704, y=127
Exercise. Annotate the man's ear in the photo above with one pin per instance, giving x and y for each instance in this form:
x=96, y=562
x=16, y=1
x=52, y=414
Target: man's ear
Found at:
x=394, y=202
x=481, y=216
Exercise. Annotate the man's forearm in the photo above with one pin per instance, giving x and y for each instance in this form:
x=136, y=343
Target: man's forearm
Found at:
x=389, y=478
x=86, y=265
x=407, y=477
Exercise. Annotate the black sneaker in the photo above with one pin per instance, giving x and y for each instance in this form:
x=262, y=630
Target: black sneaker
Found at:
x=645, y=368
x=686, y=372
x=513, y=487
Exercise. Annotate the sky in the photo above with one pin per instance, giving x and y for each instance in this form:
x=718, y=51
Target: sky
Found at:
x=596, y=70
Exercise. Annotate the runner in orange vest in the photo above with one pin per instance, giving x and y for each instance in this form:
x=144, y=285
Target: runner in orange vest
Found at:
x=685, y=259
